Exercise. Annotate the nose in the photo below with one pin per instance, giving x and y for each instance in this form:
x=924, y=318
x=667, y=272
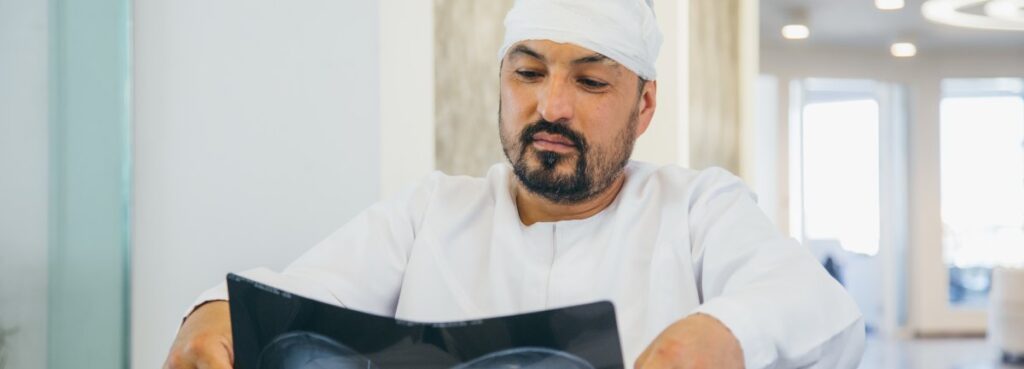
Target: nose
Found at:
x=555, y=102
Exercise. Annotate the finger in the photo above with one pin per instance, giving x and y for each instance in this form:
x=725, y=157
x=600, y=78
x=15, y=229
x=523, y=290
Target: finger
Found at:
x=658, y=362
x=229, y=345
x=214, y=362
x=178, y=361
x=217, y=355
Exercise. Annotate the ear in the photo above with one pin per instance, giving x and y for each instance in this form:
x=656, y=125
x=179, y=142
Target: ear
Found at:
x=645, y=106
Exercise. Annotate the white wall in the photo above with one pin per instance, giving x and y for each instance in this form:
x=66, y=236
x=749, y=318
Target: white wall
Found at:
x=24, y=155
x=256, y=135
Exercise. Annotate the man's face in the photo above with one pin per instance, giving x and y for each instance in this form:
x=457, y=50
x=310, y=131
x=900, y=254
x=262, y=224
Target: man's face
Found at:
x=568, y=118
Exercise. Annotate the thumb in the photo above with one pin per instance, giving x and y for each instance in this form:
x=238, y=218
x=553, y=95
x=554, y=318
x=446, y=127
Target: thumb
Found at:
x=218, y=362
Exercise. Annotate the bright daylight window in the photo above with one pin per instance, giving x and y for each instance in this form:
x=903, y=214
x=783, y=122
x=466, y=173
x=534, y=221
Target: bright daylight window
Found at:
x=840, y=172
x=982, y=182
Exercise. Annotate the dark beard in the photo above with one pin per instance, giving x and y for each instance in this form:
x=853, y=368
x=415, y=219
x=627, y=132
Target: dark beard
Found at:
x=595, y=169
x=546, y=181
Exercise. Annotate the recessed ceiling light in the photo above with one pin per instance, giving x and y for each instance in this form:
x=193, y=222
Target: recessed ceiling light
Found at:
x=903, y=49
x=795, y=31
x=889, y=4
x=796, y=25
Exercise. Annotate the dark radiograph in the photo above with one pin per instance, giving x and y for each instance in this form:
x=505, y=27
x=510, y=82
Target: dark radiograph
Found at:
x=527, y=358
x=274, y=329
x=307, y=350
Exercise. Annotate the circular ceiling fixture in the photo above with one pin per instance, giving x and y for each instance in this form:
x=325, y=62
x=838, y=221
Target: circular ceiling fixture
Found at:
x=1004, y=15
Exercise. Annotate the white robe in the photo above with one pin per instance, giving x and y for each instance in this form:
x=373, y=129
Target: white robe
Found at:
x=674, y=242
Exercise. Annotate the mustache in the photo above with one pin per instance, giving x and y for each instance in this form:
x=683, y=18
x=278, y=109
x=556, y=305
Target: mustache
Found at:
x=526, y=138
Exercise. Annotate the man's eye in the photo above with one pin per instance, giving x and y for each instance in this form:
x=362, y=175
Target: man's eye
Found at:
x=589, y=83
x=528, y=74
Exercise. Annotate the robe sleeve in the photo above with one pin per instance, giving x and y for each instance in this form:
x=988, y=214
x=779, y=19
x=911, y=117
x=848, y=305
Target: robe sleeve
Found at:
x=785, y=310
x=359, y=266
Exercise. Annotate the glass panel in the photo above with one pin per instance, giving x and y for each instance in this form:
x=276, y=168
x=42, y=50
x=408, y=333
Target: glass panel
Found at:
x=840, y=173
x=982, y=182
x=90, y=101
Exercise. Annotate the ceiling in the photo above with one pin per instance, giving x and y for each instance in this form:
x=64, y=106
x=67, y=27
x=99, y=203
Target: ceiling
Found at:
x=858, y=24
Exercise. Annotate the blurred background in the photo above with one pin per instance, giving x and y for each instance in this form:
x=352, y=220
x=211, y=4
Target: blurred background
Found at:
x=148, y=147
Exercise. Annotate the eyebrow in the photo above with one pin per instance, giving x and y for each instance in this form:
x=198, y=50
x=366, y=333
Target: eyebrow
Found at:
x=522, y=49
x=594, y=58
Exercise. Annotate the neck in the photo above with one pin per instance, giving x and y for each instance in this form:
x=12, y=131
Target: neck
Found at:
x=534, y=208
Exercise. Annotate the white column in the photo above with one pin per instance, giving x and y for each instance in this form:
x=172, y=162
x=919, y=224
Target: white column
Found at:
x=666, y=140
x=406, y=93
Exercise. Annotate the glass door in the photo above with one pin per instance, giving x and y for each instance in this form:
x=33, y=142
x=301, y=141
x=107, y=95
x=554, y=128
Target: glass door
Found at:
x=973, y=181
x=847, y=189
x=981, y=184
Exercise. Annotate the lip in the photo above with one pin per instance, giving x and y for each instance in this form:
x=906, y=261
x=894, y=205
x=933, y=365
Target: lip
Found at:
x=552, y=146
x=553, y=138
x=544, y=141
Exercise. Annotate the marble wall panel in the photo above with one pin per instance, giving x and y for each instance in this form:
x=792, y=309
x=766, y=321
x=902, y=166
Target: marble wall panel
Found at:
x=715, y=87
x=467, y=36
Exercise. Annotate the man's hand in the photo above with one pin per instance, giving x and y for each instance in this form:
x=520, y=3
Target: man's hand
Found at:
x=204, y=341
x=698, y=341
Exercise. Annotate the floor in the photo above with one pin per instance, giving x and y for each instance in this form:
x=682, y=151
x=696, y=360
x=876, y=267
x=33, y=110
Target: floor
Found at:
x=952, y=353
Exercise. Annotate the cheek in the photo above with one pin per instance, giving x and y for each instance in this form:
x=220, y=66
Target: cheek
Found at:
x=601, y=120
x=518, y=101
x=508, y=121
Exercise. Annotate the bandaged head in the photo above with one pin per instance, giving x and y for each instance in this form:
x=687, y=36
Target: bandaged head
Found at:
x=622, y=30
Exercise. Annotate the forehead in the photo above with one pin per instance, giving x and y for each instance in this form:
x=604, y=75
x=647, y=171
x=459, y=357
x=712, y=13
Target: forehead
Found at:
x=551, y=52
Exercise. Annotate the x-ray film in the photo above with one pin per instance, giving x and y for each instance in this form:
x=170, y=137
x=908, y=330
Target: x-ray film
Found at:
x=275, y=329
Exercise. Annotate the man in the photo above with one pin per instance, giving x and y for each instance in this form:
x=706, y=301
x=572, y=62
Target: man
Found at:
x=698, y=275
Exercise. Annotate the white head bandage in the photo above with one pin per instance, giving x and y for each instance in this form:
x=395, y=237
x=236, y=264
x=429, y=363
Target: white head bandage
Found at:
x=623, y=30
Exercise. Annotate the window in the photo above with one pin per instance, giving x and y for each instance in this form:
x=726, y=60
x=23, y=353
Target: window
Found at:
x=840, y=164
x=839, y=161
x=982, y=182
